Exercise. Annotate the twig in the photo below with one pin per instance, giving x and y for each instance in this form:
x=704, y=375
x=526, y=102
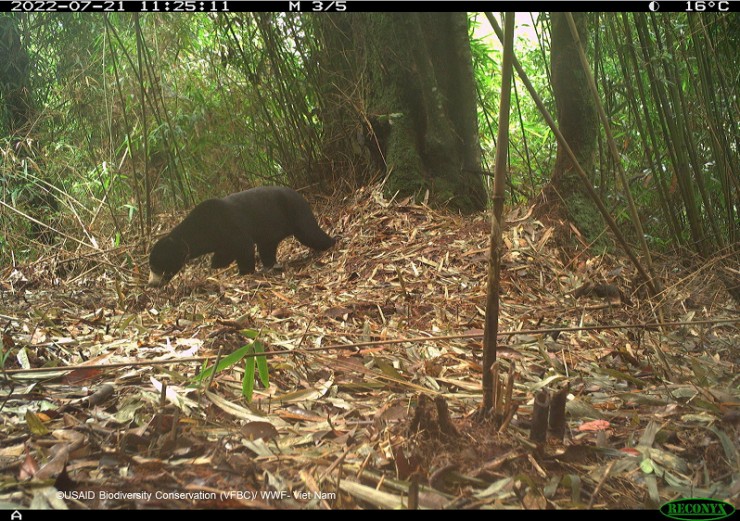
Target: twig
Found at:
x=366, y=344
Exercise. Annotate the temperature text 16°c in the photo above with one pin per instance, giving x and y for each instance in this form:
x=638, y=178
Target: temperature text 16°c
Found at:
x=699, y=6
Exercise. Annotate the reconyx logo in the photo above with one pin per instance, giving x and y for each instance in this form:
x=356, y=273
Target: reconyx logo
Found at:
x=694, y=509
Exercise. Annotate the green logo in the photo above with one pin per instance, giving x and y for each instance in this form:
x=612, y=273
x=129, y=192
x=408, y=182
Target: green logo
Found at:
x=693, y=509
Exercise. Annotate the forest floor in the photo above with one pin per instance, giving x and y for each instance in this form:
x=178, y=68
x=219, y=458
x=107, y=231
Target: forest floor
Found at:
x=652, y=412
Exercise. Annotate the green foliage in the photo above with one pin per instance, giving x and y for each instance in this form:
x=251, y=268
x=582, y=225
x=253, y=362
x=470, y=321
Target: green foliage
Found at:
x=257, y=348
x=4, y=353
x=532, y=145
x=666, y=83
x=140, y=112
x=254, y=351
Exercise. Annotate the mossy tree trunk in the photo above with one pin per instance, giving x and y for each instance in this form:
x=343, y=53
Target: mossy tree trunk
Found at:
x=406, y=82
x=577, y=121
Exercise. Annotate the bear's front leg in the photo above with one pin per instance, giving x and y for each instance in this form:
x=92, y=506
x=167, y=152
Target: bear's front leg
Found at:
x=268, y=254
x=245, y=259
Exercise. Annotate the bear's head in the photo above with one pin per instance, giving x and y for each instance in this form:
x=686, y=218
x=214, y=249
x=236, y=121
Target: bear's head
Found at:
x=168, y=257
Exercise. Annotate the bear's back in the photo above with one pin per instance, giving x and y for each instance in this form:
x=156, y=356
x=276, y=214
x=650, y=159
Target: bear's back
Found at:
x=206, y=218
x=269, y=213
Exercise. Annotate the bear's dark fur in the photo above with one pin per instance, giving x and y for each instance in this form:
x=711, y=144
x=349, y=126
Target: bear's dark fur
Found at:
x=231, y=227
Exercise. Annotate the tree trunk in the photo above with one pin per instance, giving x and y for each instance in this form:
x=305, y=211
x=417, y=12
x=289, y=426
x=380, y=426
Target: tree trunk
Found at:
x=412, y=96
x=577, y=121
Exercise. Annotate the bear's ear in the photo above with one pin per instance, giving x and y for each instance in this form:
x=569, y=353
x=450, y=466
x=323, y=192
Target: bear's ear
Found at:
x=177, y=249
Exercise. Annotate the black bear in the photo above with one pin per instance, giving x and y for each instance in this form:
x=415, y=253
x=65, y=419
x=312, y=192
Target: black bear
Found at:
x=230, y=228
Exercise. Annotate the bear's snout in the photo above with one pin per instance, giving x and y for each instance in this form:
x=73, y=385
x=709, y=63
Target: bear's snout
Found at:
x=156, y=280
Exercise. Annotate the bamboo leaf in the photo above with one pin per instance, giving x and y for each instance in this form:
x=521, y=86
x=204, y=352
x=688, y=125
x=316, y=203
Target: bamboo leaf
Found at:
x=248, y=380
x=225, y=362
x=262, y=368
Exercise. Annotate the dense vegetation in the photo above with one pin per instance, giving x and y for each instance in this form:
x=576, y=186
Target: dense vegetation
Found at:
x=111, y=119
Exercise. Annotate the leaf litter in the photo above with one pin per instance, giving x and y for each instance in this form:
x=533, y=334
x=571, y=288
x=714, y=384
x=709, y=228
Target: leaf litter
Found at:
x=652, y=413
